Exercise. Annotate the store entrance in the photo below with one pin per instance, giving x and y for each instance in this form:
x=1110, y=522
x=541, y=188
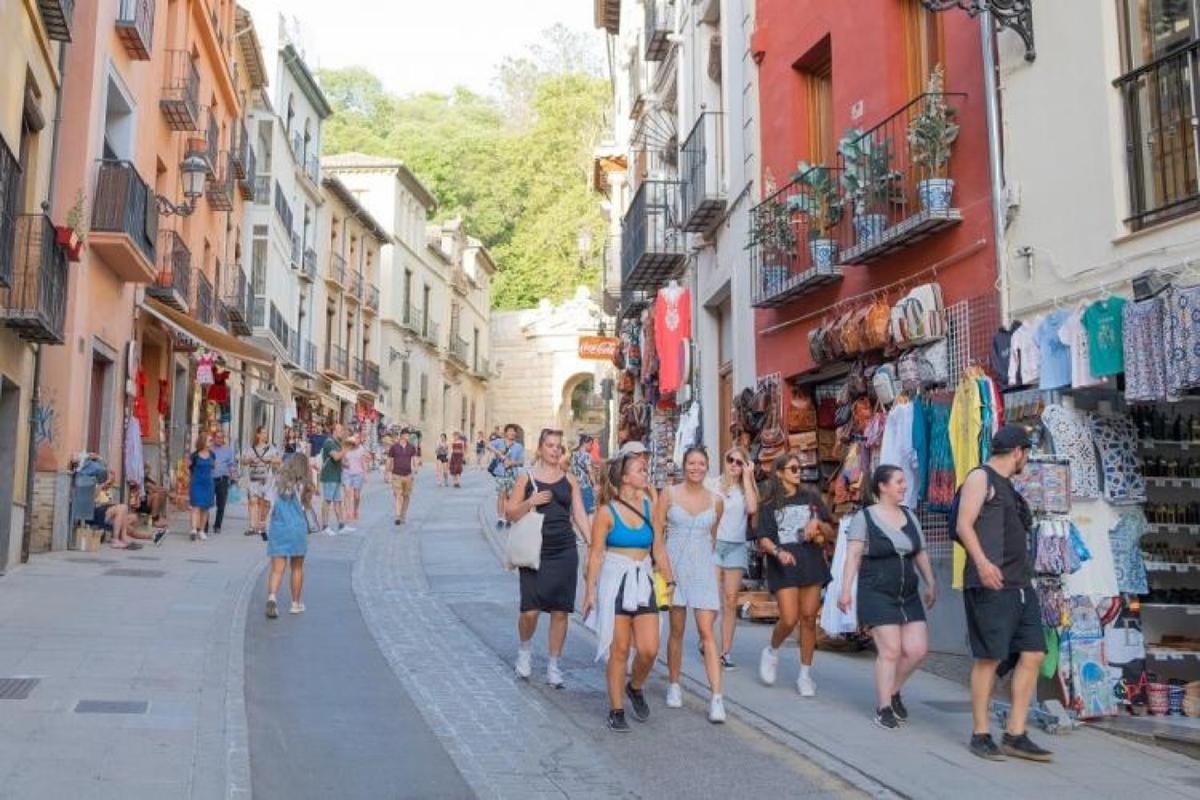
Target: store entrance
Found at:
x=10, y=412
x=725, y=407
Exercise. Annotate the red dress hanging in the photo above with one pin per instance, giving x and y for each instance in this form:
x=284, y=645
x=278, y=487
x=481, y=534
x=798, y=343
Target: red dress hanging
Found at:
x=672, y=325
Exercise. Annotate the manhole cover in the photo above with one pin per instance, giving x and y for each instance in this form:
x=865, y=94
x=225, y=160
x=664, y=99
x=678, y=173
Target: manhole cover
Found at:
x=92, y=560
x=120, y=572
x=112, y=707
x=203, y=561
x=950, y=706
x=17, y=688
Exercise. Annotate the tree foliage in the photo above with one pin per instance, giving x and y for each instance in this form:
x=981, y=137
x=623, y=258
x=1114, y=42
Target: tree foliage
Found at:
x=516, y=166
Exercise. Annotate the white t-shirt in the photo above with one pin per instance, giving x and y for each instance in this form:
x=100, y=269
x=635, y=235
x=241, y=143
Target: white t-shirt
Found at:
x=732, y=527
x=1074, y=335
x=1024, y=361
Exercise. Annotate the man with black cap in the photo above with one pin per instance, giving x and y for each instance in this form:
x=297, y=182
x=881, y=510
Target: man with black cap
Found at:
x=1004, y=618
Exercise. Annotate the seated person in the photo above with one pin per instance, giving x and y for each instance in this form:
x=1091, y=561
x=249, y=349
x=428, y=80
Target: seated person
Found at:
x=118, y=518
x=151, y=501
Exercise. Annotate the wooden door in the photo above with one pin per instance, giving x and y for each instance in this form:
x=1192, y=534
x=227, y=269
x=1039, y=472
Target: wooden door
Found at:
x=725, y=408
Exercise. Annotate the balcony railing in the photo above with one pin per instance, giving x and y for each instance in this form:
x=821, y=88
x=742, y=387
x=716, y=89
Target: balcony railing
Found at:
x=180, y=102
x=35, y=305
x=459, y=348
x=414, y=320
x=297, y=253
x=652, y=243
x=660, y=20
x=248, y=184
x=354, y=286
x=483, y=369
x=282, y=209
x=336, y=361
x=795, y=236
x=294, y=351
x=610, y=279
x=356, y=371
x=634, y=301
x=174, y=271
x=236, y=299
x=1162, y=103
x=240, y=149
x=431, y=333
x=370, y=377
x=124, y=205
x=308, y=268
x=298, y=148
x=702, y=164
x=219, y=188
x=372, y=298
x=56, y=16
x=337, y=270
x=202, y=308
x=135, y=27
x=309, y=363
x=312, y=168
x=262, y=190
x=10, y=183
x=267, y=317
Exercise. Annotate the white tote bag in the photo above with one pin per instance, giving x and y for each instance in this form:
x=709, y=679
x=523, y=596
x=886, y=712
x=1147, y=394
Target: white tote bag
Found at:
x=525, y=538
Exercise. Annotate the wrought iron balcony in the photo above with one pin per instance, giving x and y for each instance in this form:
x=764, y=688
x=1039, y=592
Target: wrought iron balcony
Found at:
x=660, y=21
x=180, y=102
x=337, y=270
x=236, y=299
x=174, y=279
x=262, y=190
x=135, y=27
x=297, y=253
x=282, y=209
x=202, y=306
x=702, y=164
x=56, y=16
x=356, y=371
x=312, y=168
x=414, y=320
x=431, y=333
x=309, y=362
x=371, y=302
x=124, y=230
x=239, y=151
x=10, y=183
x=298, y=148
x=370, y=377
x=652, y=243
x=308, y=267
x=35, y=305
x=294, y=352
x=337, y=362
x=610, y=279
x=354, y=286
x=459, y=349
x=268, y=321
x=634, y=301
x=483, y=369
x=219, y=187
x=248, y=184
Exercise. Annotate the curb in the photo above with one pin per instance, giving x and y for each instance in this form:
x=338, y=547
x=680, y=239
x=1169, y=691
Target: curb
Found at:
x=237, y=726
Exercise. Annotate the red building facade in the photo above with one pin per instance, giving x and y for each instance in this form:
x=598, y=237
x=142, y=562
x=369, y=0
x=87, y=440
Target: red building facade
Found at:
x=829, y=66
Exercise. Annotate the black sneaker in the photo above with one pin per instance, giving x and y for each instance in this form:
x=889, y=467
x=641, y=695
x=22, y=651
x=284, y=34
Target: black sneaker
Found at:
x=641, y=709
x=727, y=662
x=1023, y=747
x=886, y=718
x=159, y=535
x=616, y=721
x=499, y=524
x=898, y=708
x=984, y=746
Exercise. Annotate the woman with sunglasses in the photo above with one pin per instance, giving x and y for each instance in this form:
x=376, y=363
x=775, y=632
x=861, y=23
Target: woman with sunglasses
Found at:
x=740, y=496
x=550, y=588
x=620, y=596
x=793, y=526
x=690, y=514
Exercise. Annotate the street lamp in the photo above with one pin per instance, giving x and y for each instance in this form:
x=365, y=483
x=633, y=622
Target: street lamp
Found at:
x=194, y=170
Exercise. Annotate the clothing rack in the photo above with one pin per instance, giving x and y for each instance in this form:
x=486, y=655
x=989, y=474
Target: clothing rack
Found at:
x=1187, y=267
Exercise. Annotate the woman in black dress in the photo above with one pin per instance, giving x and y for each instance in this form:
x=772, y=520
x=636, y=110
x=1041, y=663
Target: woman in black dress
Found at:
x=793, y=526
x=550, y=588
x=886, y=551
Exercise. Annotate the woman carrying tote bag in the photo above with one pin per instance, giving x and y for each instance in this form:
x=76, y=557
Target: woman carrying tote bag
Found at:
x=547, y=584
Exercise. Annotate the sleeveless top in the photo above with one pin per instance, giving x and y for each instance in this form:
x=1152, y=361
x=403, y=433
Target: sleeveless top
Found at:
x=732, y=527
x=680, y=521
x=621, y=535
x=557, y=532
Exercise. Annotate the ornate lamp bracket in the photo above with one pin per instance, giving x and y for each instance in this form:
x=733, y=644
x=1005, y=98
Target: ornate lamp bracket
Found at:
x=1016, y=15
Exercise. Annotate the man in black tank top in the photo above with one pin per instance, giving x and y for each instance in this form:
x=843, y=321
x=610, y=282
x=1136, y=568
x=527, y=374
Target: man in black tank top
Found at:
x=1004, y=618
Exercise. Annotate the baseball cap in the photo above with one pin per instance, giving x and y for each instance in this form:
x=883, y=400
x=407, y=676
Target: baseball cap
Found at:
x=1009, y=438
x=632, y=447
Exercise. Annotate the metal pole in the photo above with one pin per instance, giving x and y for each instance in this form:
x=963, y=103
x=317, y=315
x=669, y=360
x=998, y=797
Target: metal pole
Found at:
x=991, y=94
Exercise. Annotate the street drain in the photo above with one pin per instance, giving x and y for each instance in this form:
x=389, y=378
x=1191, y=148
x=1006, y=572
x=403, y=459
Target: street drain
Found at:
x=203, y=561
x=135, y=573
x=112, y=707
x=950, y=706
x=17, y=688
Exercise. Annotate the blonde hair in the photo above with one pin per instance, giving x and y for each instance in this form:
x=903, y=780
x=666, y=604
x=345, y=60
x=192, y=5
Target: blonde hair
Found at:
x=294, y=476
x=726, y=483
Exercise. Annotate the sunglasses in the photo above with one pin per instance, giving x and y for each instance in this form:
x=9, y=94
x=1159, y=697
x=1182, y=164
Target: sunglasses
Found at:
x=792, y=468
x=734, y=460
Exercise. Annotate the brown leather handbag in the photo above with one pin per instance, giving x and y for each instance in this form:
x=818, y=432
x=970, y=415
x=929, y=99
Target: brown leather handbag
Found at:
x=801, y=411
x=878, y=325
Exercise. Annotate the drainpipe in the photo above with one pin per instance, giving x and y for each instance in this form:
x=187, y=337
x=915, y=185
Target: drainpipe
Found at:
x=991, y=92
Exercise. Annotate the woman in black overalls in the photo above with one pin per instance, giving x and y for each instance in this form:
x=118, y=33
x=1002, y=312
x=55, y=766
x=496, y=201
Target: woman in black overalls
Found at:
x=886, y=552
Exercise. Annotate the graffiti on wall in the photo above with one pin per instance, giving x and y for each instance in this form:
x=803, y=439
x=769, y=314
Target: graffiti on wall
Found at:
x=47, y=429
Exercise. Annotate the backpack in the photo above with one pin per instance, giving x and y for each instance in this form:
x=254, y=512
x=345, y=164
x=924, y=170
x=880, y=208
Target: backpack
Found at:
x=952, y=516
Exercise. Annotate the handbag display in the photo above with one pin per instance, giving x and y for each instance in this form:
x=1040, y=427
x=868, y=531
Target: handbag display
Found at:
x=801, y=411
x=524, y=548
x=878, y=325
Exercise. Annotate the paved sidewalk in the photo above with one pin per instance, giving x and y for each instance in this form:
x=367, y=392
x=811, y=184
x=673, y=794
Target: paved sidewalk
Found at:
x=154, y=635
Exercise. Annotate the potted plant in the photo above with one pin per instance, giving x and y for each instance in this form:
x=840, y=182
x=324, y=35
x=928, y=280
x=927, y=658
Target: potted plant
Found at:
x=70, y=236
x=822, y=204
x=771, y=230
x=869, y=181
x=931, y=137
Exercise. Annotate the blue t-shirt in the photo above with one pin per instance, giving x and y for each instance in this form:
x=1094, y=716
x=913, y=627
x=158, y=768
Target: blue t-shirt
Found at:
x=1055, y=354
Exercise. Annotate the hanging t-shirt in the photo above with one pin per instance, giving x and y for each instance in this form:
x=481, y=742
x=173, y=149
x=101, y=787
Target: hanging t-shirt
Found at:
x=1105, y=331
x=672, y=325
x=1074, y=336
x=204, y=369
x=1054, y=356
x=1002, y=351
x=1024, y=360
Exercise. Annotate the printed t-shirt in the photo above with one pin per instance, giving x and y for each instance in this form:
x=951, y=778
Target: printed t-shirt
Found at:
x=784, y=522
x=331, y=470
x=1105, y=331
x=1054, y=354
x=258, y=462
x=1074, y=335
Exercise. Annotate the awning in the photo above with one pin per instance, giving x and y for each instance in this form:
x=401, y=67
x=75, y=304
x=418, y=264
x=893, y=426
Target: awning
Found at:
x=343, y=392
x=209, y=336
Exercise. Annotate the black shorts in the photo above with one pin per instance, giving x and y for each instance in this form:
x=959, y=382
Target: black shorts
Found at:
x=100, y=517
x=1001, y=623
x=650, y=609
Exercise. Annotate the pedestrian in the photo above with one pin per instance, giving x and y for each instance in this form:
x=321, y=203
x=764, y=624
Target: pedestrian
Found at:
x=887, y=550
x=316, y=439
x=581, y=468
x=441, y=463
x=1004, y=617
x=635, y=448
x=403, y=460
x=201, y=486
x=508, y=459
x=289, y=440
x=287, y=537
x=793, y=526
x=550, y=589
x=458, y=456
x=740, y=496
x=690, y=514
x=260, y=459
x=620, y=602
x=224, y=474
x=480, y=449
x=354, y=472
x=332, y=453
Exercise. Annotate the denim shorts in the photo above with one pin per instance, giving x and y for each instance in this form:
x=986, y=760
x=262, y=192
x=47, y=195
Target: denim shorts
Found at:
x=732, y=555
x=588, y=493
x=332, y=492
x=353, y=481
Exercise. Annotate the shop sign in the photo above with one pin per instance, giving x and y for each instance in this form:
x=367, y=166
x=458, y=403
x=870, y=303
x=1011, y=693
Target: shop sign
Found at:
x=598, y=348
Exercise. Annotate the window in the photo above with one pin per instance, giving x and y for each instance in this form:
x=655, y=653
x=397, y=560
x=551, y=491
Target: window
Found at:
x=816, y=73
x=404, y=387
x=258, y=262
x=923, y=44
x=463, y=417
x=424, y=395
x=425, y=296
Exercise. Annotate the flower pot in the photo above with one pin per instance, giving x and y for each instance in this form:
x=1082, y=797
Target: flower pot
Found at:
x=935, y=194
x=869, y=227
x=824, y=253
x=774, y=278
x=66, y=238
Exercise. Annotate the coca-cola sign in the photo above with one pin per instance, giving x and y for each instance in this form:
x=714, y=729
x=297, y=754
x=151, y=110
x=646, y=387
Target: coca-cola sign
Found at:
x=598, y=348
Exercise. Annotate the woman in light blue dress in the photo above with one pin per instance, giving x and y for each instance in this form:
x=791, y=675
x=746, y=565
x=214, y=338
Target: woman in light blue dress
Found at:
x=287, y=531
x=202, y=491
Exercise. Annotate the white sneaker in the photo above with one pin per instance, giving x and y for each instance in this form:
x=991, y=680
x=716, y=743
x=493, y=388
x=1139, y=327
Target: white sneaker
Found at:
x=348, y=529
x=768, y=666
x=716, y=710
x=330, y=532
x=297, y=608
x=554, y=676
x=203, y=536
x=524, y=664
x=674, y=696
x=806, y=686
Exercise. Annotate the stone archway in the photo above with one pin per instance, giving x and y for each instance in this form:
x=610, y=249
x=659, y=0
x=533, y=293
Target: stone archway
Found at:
x=580, y=409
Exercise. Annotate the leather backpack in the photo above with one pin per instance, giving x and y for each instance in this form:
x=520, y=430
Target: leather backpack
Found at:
x=878, y=325
x=801, y=412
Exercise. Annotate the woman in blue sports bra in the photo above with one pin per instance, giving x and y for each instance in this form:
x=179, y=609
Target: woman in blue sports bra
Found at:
x=620, y=603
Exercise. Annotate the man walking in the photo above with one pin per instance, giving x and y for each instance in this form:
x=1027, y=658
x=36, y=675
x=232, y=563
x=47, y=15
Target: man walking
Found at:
x=1004, y=618
x=403, y=459
x=331, y=480
x=224, y=473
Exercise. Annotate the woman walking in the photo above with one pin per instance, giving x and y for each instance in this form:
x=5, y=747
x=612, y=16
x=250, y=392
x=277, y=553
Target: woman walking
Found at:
x=620, y=586
x=690, y=515
x=260, y=459
x=740, y=496
x=202, y=488
x=458, y=457
x=581, y=468
x=480, y=449
x=886, y=551
x=549, y=589
x=354, y=472
x=287, y=539
x=442, y=464
x=508, y=457
x=793, y=525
